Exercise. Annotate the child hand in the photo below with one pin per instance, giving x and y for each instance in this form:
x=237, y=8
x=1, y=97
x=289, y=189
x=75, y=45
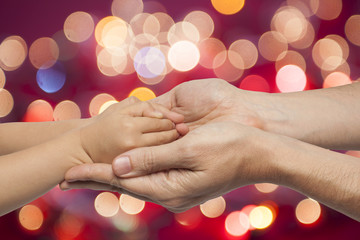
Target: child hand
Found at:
x=119, y=129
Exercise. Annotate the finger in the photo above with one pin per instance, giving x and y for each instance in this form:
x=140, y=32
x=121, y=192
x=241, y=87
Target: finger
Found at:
x=148, y=125
x=165, y=100
x=173, y=116
x=129, y=101
x=159, y=138
x=99, y=172
x=182, y=129
x=65, y=186
x=146, y=160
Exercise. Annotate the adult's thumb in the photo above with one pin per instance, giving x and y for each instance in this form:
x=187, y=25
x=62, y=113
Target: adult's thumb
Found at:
x=146, y=160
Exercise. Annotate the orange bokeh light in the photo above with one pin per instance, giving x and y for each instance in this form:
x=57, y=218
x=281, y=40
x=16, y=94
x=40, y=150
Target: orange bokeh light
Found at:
x=228, y=7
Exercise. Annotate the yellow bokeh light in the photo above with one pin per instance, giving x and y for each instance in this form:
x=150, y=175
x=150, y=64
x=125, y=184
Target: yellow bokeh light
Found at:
x=214, y=207
x=111, y=32
x=2, y=78
x=202, y=21
x=237, y=223
x=266, y=187
x=352, y=29
x=271, y=45
x=228, y=7
x=13, y=51
x=131, y=205
x=327, y=54
x=184, y=56
x=66, y=110
x=106, y=204
x=307, y=39
x=143, y=93
x=261, y=217
x=43, y=53
x=78, y=26
x=107, y=105
x=308, y=211
x=98, y=101
x=6, y=102
x=31, y=217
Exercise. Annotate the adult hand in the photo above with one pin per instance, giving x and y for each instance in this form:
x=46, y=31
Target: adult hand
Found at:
x=209, y=161
x=213, y=100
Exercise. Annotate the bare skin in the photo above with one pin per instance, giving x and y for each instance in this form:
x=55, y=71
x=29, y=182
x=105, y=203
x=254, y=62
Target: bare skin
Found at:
x=224, y=151
x=120, y=128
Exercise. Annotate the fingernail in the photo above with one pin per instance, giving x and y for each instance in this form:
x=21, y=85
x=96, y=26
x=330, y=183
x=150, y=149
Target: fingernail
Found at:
x=122, y=165
x=157, y=114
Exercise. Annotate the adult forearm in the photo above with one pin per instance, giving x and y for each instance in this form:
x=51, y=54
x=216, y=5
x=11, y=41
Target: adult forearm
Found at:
x=328, y=118
x=18, y=136
x=326, y=176
x=28, y=174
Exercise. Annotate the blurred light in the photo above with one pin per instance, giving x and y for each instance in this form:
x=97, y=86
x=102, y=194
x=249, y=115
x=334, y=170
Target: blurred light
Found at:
x=190, y=218
x=141, y=41
x=39, y=111
x=149, y=62
x=227, y=70
x=78, y=26
x=31, y=217
x=151, y=25
x=308, y=211
x=98, y=101
x=126, y=9
x=291, y=78
x=131, y=205
x=2, y=78
x=290, y=22
x=125, y=222
x=43, y=53
x=6, y=102
x=112, y=62
x=228, y=7
x=183, y=31
x=51, y=79
x=266, y=187
x=271, y=45
x=352, y=29
x=13, y=51
x=106, y=204
x=302, y=5
x=166, y=22
x=184, y=56
x=342, y=43
x=307, y=39
x=111, y=32
x=336, y=79
x=261, y=217
x=66, y=110
x=237, y=223
x=143, y=93
x=202, y=21
x=290, y=58
x=214, y=207
x=137, y=23
x=209, y=48
x=326, y=9
x=327, y=54
x=68, y=226
x=255, y=83
x=247, y=210
x=344, y=68
x=106, y=105
x=246, y=50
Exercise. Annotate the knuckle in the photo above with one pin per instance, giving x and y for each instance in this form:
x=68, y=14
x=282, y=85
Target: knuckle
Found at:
x=133, y=100
x=128, y=143
x=149, y=162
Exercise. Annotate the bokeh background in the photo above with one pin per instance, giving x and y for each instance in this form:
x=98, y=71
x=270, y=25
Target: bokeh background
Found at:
x=70, y=59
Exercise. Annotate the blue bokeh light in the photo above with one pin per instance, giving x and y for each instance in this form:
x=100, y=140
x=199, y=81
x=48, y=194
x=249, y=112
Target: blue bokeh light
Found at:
x=52, y=79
